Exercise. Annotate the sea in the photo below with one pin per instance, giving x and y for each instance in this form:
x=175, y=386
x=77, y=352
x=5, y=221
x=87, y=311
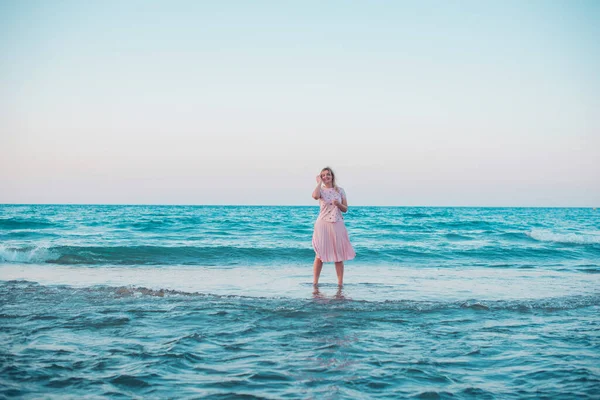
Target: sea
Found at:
x=217, y=302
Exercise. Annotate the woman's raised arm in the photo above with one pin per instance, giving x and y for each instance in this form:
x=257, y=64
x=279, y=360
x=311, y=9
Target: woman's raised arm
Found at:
x=317, y=192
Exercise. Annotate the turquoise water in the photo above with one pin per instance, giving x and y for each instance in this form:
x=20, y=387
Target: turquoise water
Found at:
x=216, y=302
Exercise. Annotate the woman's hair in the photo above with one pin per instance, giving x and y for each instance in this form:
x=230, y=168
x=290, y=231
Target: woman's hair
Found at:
x=332, y=178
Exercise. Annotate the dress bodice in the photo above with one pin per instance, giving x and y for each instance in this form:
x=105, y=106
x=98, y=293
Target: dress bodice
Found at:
x=330, y=212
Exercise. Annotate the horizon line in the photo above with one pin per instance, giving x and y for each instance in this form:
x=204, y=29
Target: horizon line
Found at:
x=278, y=205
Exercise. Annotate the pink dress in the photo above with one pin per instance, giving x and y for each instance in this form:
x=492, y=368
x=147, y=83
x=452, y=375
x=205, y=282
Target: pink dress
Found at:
x=330, y=238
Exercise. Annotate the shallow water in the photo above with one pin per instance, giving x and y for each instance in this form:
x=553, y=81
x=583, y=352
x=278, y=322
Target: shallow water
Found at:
x=216, y=302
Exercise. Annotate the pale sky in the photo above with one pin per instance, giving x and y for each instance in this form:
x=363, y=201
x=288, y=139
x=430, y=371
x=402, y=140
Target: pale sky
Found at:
x=421, y=103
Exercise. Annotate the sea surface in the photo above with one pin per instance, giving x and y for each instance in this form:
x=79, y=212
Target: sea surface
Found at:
x=217, y=302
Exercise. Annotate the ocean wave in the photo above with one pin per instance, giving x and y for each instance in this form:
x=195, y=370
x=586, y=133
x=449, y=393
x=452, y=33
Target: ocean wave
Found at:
x=27, y=254
x=161, y=224
x=417, y=215
x=227, y=255
x=543, y=235
x=231, y=255
x=24, y=223
x=28, y=234
x=146, y=225
x=516, y=236
x=151, y=255
x=466, y=225
x=456, y=236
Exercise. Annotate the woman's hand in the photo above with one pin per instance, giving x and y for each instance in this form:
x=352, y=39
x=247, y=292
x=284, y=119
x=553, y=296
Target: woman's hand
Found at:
x=319, y=180
x=342, y=206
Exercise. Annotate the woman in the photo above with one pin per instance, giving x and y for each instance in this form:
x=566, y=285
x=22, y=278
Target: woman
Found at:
x=330, y=238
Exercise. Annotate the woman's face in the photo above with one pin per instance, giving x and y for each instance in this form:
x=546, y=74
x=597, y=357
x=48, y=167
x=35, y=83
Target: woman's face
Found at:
x=326, y=176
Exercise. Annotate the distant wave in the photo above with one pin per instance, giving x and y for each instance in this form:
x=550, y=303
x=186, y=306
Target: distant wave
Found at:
x=464, y=225
x=456, y=236
x=24, y=223
x=576, y=238
x=517, y=236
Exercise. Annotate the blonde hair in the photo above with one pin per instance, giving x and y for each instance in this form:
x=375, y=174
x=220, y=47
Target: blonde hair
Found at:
x=332, y=178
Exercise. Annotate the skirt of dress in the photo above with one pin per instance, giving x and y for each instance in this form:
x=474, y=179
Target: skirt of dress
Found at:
x=331, y=242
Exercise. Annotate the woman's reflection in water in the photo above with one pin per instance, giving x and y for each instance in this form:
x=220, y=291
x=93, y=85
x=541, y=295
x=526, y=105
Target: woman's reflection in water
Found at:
x=318, y=295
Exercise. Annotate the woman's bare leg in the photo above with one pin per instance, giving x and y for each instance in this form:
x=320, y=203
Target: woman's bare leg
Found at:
x=339, y=270
x=317, y=267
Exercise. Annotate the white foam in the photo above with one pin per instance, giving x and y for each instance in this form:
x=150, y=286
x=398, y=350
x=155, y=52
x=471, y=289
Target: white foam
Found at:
x=38, y=254
x=543, y=235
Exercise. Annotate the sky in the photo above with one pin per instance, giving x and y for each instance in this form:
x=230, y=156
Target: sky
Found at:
x=412, y=103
